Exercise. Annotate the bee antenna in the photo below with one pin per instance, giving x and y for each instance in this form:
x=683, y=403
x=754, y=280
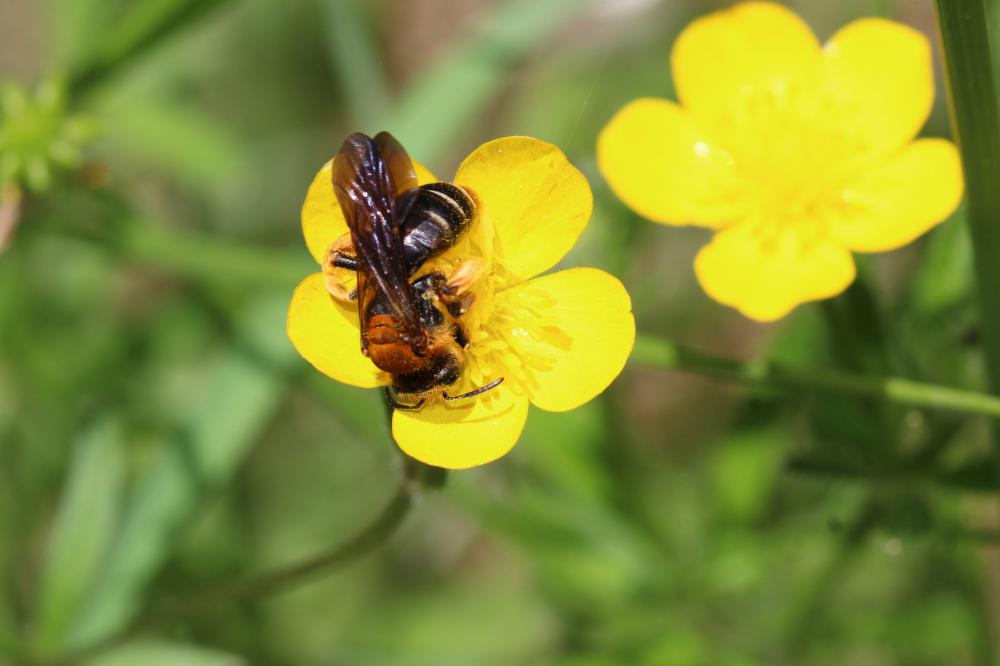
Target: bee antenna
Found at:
x=482, y=389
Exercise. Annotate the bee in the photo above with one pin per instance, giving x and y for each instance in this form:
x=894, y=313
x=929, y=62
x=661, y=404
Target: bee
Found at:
x=409, y=329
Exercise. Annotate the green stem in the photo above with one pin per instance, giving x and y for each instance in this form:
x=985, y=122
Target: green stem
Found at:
x=859, y=343
x=283, y=578
x=976, y=120
x=763, y=374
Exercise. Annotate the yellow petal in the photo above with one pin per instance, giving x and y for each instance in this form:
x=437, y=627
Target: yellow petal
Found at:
x=657, y=162
x=751, y=47
x=881, y=74
x=764, y=276
x=322, y=220
x=890, y=205
x=537, y=201
x=465, y=433
x=326, y=334
x=571, y=331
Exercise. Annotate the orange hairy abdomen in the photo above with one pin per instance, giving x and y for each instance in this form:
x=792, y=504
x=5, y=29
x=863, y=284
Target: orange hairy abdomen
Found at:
x=387, y=351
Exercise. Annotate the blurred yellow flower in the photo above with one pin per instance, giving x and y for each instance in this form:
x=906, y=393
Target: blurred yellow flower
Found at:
x=796, y=154
x=557, y=340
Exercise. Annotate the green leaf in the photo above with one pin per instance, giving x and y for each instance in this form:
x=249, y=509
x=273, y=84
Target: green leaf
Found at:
x=241, y=388
x=162, y=653
x=84, y=527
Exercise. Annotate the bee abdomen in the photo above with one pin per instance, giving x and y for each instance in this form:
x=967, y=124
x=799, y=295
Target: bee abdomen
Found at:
x=436, y=220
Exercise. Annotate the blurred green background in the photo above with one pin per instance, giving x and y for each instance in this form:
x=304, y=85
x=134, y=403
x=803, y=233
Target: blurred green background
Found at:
x=159, y=437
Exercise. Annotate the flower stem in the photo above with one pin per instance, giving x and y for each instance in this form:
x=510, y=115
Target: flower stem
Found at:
x=765, y=375
x=976, y=122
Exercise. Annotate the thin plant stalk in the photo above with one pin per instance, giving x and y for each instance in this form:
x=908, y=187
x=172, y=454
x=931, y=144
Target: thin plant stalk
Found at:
x=976, y=120
x=762, y=374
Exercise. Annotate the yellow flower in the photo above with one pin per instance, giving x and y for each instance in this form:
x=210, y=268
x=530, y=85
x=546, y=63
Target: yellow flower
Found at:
x=796, y=154
x=557, y=340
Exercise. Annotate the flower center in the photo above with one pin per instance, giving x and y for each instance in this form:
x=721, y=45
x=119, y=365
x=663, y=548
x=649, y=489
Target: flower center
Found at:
x=793, y=155
x=508, y=339
x=487, y=355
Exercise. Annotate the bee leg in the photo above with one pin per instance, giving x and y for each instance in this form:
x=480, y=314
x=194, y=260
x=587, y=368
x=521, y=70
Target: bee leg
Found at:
x=459, y=306
x=474, y=392
x=340, y=254
x=399, y=405
x=461, y=335
x=339, y=260
x=340, y=257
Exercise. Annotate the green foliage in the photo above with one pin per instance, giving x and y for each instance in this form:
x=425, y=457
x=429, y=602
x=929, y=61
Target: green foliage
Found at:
x=161, y=440
x=200, y=455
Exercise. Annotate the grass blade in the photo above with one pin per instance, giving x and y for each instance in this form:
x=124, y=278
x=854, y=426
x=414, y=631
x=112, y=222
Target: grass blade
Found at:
x=84, y=528
x=976, y=119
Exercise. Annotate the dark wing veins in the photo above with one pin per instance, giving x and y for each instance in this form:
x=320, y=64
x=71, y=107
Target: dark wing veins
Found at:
x=366, y=192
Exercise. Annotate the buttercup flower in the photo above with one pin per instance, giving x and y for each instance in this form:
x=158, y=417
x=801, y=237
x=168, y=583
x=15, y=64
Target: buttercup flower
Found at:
x=557, y=340
x=796, y=154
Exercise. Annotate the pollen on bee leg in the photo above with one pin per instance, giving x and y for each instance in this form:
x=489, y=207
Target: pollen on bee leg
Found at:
x=337, y=276
x=463, y=277
x=338, y=290
x=343, y=245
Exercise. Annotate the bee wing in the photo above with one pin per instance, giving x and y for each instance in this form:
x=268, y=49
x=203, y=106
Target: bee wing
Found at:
x=362, y=181
x=404, y=176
